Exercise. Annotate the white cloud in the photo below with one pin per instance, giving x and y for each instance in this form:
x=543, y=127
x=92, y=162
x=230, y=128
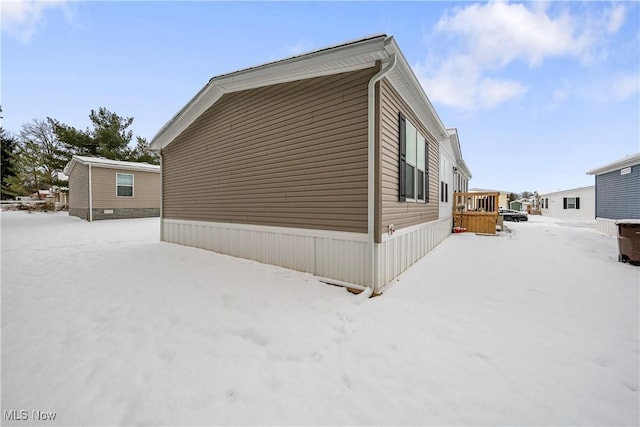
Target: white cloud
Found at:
x=459, y=83
x=497, y=33
x=616, y=18
x=488, y=37
x=625, y=86
x=21, y=18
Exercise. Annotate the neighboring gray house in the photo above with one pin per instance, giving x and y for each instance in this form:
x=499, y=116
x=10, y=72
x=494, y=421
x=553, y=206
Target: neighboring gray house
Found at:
x=617, y=192
x=109, y=189
x=326, y=162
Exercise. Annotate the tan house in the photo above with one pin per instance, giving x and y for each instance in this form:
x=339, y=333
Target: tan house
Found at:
x=109, y=189
x=325, y=162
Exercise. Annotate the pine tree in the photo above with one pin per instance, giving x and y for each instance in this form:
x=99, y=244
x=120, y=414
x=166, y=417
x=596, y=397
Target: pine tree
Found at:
x=9, y=146
x=143, y=152
x=109, y=137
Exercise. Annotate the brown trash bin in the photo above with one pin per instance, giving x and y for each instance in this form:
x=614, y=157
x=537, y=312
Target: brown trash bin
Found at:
x=629, y=241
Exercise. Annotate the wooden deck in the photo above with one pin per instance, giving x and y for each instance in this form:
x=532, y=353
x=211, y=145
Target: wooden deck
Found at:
x=476, y=212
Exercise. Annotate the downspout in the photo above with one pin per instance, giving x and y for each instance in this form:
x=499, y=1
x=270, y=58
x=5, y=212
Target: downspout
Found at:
x=161, y=191
x=90, y=196
x=371, y=167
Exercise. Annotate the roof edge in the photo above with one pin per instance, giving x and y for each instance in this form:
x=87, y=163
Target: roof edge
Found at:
x=109, y=164
x=345, y=57
x=630, y=160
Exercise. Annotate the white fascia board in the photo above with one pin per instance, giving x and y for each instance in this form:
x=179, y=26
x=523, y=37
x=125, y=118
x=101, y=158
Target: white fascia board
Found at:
x=571, y=190
x=455, y=144
x=341, y=59
x=406, y=83
x=618, y=164
x=109, y=164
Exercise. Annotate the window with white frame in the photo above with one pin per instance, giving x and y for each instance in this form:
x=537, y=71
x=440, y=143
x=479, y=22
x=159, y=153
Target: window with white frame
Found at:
x=571, y=203
x=124, y=185
x=414, y=163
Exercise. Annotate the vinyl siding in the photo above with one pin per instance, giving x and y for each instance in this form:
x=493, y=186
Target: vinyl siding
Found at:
x=79, y=187
x=618, y=196
x=292, y=155
x=403, y=214
x=146, y=189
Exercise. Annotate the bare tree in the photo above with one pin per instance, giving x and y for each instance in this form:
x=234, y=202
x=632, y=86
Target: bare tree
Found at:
x=44, y=148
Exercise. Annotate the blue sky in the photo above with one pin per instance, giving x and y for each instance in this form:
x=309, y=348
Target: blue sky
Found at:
x=540, y=92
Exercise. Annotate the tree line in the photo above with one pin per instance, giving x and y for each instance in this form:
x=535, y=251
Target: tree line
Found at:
x=33, y=158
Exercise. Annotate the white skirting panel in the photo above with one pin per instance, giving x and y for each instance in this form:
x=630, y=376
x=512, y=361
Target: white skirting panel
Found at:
x=401, y=250
x=336, y=255
x=607, y=226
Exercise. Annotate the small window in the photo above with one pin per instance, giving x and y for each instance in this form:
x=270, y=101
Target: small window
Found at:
x=444, y=192
x=124, y=185
x=571, y=203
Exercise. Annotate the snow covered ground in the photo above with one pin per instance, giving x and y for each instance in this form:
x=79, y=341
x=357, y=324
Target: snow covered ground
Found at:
x=104, y=325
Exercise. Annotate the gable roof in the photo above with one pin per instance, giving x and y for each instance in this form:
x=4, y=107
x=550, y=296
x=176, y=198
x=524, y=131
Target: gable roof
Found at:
x=345, y=57
x=108, y=163
x=618, y=164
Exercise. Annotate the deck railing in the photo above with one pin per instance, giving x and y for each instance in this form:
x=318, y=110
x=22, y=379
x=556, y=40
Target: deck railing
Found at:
x=476, y=212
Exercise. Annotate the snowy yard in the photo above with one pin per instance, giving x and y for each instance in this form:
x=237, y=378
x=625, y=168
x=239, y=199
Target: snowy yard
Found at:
x=104, y=325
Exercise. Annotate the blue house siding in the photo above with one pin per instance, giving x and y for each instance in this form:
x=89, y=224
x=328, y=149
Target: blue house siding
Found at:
x=618, y=196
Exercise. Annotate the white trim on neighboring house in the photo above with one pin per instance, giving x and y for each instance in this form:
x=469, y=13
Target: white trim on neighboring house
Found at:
x=121, y=185
x=462, y=167
x=618, y=164
x=446, y=179
x=607, y=226
x=108, y=163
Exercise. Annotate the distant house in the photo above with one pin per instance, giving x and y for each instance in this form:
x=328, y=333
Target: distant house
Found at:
x=523, y=205
x=575, y=203
x=327, y=162
x=503, y=199
x=617, y=193
x=109, y=189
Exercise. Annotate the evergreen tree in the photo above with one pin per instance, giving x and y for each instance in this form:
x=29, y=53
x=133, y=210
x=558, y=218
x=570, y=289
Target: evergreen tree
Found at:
x=109, y=137
x=9, y=147
x=28, y=177
x=143, y=152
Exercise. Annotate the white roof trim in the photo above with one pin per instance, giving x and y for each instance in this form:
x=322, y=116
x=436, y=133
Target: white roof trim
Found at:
x=487, y=190
x=570, y=190
x=457, y=151
x=108, y=163
x=618, y=164
x=346, y=57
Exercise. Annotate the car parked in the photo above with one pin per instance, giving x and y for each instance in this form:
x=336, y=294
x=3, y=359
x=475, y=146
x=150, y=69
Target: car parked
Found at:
x=515, y=216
